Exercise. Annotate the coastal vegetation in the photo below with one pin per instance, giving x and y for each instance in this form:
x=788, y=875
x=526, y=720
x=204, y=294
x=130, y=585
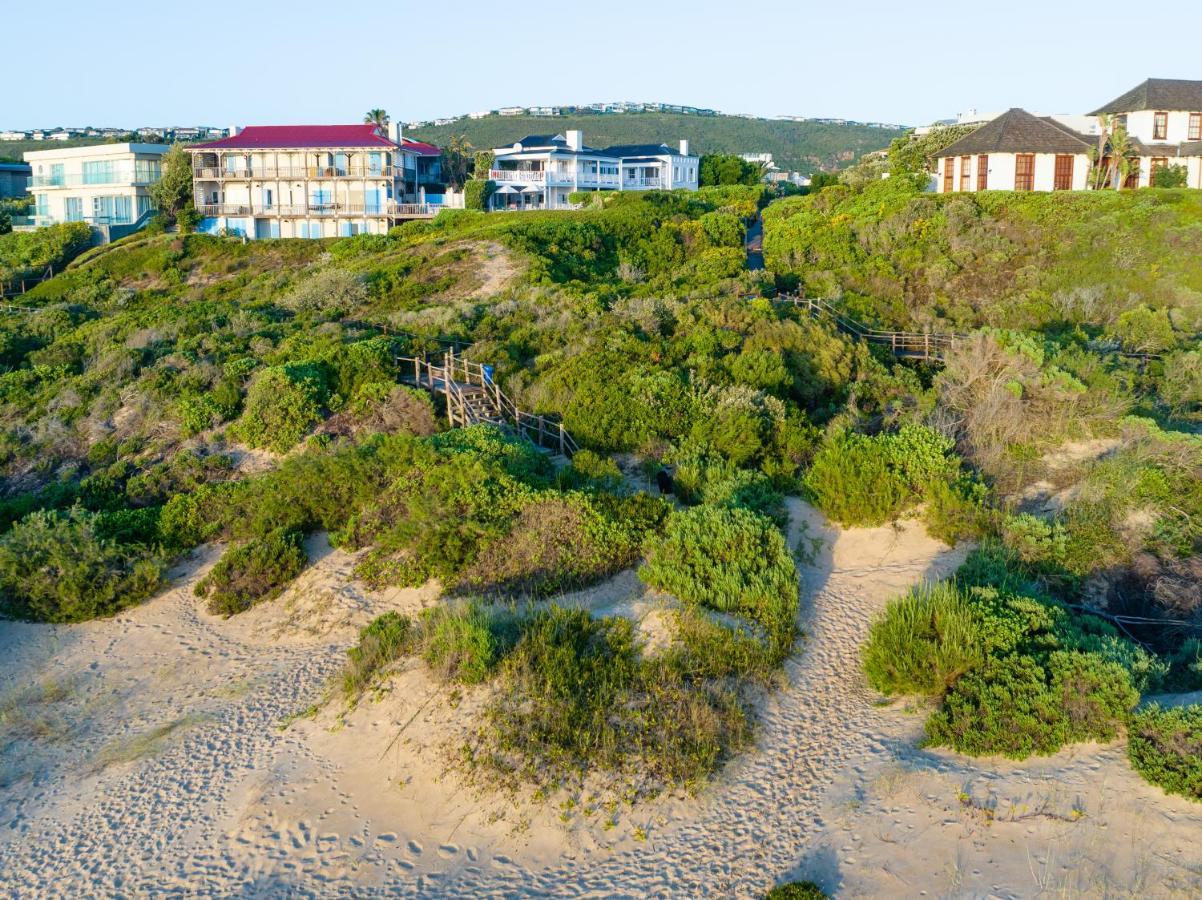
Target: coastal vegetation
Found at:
x=173, y=390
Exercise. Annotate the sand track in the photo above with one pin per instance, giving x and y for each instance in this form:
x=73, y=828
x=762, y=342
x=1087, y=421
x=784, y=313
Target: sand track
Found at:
x=149, y=758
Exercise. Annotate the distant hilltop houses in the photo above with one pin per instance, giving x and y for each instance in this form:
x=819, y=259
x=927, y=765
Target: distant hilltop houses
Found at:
x=625, y=106
x=167, y=133
x=1121, y=144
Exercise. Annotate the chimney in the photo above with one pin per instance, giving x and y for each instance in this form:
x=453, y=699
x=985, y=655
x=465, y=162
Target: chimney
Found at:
x=575, y=139
x=684, y=147
x=395, y=132
x=235, y=130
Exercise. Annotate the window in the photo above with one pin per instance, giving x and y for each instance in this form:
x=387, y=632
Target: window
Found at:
x=56, y=174
x=1132, y=179
x=949, y=174
x=965, y=173
x=1064, y=173
x=42, y=203
x=73, y=209
x=1195, y=126
x=1024, y=172
x=983, y=172
x=99, y=172
x=1158, y=162
x=1160, y=126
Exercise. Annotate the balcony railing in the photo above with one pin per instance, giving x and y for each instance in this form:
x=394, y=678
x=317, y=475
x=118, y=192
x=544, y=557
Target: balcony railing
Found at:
x=643, y=184
x=319, y=210
x=43, y=221
x=97, y=179
x=520, y=176
x=219, y=173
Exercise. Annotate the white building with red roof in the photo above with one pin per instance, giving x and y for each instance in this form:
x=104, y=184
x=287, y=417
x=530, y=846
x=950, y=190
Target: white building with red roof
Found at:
x=313, y=181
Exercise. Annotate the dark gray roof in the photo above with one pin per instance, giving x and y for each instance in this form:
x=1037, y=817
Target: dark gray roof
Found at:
x=1190, y=148
x=1017, y=131
x=1157, y=93
x=625, y=151
x=543, y=140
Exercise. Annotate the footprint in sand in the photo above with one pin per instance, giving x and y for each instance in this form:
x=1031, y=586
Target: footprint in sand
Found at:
x=388, y=837
x=415, y=848
x=446, y=851
x=472, y=854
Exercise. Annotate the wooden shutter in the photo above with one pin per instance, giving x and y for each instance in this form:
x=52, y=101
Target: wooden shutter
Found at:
x=966, y=173
x=983, y=172
x=1064, y=173
x=949, y=174
x=1024, y=172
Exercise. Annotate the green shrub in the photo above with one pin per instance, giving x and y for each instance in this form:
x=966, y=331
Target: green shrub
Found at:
x=252, y=572
x=458, y=642
x=924, y=642
x=1165, y=747
x=282, y=404
x=1018, y=706
x=851, y=481
x=329, y=292
x=728, y=560
x=385, y=639
x=796, y=890
x=57, y=567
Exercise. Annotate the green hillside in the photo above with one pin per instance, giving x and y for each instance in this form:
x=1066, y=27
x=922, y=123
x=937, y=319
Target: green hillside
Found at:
x=14, y=151
x=801, y=146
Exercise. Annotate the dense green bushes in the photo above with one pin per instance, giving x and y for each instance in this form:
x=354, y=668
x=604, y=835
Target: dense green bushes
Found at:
x=383, y=640
x=30, y=252
x=860, y=480
x=729, y=560
x=58, y=567
x=1165, y=747
x=252, y=572
x=1015, y=675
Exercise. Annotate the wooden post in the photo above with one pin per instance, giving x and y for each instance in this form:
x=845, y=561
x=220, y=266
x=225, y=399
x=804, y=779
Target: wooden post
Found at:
x=926, y=346
x=561, y=453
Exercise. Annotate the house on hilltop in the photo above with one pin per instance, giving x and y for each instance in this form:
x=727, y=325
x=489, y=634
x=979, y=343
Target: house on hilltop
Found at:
x=313, y=181
x=541, y=171
x=1018, y=151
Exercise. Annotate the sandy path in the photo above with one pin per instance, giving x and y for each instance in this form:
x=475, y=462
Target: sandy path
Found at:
x=145, y=755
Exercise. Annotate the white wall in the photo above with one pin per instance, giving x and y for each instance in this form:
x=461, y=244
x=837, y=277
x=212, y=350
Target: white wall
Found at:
x=1002, y=168
x=1141, y=125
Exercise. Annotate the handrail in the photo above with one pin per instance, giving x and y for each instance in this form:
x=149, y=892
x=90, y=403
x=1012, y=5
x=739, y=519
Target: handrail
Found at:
x=455, y=372
x=927, y=345
x=18, y=286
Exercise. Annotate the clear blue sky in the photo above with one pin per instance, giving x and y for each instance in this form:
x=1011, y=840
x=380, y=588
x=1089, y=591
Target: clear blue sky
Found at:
x=264, y=61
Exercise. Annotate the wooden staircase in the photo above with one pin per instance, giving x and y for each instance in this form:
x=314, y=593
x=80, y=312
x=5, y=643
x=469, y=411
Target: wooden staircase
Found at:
x=473, y=397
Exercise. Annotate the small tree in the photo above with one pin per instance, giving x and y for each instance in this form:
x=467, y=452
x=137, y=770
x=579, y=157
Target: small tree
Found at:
x=377, y=117
x=476, y=193
x=482, y=164
x=457, y=160
x=173, y=191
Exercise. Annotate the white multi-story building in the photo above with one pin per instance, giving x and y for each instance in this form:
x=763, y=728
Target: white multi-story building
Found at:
x=312, y=181
x=541, y=171
x=105, y=185
x=1018, y=151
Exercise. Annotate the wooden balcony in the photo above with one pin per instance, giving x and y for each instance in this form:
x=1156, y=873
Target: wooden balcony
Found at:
x=297, y=173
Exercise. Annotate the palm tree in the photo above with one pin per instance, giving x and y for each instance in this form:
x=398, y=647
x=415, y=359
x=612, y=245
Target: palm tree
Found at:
x=376, y=117
x=455, y=159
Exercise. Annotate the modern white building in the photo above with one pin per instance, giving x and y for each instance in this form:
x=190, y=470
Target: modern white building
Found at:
x=1018, y=151
x=312, y=181
x=105, y=185
x=542, y=171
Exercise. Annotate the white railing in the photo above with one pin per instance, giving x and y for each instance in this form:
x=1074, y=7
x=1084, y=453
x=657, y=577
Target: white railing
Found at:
x=521, y=176
x=643, y=184
x=320, y=210
x=217, y=173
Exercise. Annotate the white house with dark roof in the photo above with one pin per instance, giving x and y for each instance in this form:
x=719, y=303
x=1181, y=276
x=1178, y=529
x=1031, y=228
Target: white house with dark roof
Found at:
x=1018, y=151
x=1163, y=118
x=541, y=171
x=312, y=181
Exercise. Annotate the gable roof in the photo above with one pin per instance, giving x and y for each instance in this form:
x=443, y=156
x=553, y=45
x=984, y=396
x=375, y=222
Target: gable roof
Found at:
x=421, y=148
x=1157, y=93
x=271, y=137
x=543, y=140
x=1017, y=131
x=627, y=150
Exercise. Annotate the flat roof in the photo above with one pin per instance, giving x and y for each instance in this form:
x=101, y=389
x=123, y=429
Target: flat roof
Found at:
x=94, y=150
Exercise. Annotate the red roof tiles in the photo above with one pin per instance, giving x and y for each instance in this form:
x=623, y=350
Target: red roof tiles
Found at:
x=264, y=137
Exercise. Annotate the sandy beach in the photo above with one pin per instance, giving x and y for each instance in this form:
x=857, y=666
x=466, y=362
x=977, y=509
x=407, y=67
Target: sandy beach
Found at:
x=169, y=751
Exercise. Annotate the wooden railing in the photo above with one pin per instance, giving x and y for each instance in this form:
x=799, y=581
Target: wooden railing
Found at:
x=925, y=345
x=471, y=391
x=18, y=286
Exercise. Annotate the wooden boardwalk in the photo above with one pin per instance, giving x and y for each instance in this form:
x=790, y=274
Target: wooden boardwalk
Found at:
x=474, y=397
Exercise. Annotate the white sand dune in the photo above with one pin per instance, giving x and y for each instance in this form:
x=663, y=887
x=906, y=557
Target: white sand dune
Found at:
x=146, y=754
